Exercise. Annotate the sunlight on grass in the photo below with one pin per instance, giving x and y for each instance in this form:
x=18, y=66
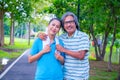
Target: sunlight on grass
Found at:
x=115, y=55
x=19, y=43
x=4, y=54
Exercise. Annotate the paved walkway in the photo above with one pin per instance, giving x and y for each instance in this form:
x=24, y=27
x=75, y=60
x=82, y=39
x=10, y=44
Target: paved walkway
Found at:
x=20, y=69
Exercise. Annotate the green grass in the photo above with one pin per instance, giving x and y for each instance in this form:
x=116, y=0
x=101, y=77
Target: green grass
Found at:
x=3, y=54
x=11, y=55
x=20, y=45
x=103, y=75
x=115, y=55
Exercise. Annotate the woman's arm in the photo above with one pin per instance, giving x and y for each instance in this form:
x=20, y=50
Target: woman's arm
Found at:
x=32, y=58
x=59, y=57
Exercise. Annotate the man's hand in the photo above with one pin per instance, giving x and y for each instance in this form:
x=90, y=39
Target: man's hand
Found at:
x=60, y=48
x=42, y=36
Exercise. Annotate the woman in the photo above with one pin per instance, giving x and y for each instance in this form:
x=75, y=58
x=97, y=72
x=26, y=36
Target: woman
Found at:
x=48, y=60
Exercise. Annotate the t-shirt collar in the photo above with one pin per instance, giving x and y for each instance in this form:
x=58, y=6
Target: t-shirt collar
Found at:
x=74, y=34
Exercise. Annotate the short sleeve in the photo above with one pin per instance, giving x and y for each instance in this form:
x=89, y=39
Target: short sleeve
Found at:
x=36, y=47
x=84, y=43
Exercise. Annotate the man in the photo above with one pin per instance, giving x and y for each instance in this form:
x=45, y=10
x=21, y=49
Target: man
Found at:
x=76, y=47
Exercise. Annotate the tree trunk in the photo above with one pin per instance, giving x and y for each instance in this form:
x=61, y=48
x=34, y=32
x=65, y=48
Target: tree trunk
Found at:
x=1, y=28
x=111, y=47
x=12, y=32
x=119, y=67
x=96, y=49
x=107, y=31
x=29, y=33
x=104, y=46
x=95, y=42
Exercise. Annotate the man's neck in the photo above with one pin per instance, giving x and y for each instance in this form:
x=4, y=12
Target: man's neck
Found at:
x=70, y=34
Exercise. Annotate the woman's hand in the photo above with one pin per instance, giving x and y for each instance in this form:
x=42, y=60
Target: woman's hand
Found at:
x=59, y=57
x=46, y=48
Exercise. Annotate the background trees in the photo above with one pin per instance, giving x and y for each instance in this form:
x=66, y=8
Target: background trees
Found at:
x=17, y=10
x=98, y=18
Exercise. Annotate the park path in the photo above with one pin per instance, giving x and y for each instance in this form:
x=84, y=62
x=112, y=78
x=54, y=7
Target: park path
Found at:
x=20, y=70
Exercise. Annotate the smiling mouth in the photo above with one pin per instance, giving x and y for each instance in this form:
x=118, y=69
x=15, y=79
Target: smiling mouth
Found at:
x=54, y=31
x=69, y=28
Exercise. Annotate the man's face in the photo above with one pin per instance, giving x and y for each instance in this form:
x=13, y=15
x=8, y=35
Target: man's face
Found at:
x=69, y=25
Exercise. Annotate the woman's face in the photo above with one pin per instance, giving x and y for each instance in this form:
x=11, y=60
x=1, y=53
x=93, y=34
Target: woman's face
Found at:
x=54, y=27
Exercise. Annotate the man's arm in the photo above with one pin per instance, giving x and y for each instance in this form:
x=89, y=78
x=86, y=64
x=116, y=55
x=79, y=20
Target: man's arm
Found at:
x=76, y=54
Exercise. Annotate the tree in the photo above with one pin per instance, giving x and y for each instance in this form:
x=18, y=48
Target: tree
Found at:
x=3, y=9
x=18, y=10
x=113, y=10
x=21, y=11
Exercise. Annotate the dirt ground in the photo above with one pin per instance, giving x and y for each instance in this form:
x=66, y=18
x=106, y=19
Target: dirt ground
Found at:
x=102, y=66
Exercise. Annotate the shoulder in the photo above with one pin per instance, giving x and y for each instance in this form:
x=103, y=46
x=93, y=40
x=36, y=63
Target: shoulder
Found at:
x=82, y=34
x=37, y=44
x=62, y=36
x=37, y=40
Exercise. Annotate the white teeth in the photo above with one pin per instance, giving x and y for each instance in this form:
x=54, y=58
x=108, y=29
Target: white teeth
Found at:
x=70, y=28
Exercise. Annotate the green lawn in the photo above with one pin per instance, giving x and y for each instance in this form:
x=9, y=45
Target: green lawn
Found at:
x=15, y=50
x=19, y=43
x=104, y=75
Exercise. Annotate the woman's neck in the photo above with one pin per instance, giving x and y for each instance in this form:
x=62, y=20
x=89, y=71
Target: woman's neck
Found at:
x=51, y=37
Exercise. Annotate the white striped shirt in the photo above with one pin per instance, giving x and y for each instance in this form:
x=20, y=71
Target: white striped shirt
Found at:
x=76, y=69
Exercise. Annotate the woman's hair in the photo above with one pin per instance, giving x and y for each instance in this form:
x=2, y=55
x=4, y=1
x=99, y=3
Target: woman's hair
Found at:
x=70, y=14
x=55, y=19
